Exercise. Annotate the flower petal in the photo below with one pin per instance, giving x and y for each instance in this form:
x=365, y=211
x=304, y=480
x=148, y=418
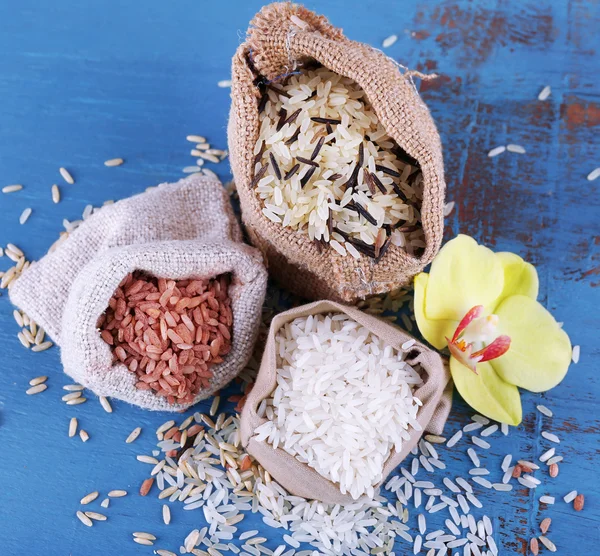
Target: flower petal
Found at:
x=463, y=357
x=487, y=393
x=520, y=277
x=540, y=351
x=463, y=274
x=494, y=350
x=434, y=331
x=473, y=314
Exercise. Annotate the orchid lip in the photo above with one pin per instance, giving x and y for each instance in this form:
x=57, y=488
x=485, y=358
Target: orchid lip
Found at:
x=463, y=350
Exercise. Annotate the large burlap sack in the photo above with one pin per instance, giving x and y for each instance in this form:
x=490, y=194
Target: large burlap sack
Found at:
x=180, y=230
x=276, y=46
x=302, y=480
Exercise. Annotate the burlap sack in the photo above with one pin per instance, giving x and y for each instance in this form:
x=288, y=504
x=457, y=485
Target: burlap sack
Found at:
x=276, y=46
x=300, y=479
x=179, y=230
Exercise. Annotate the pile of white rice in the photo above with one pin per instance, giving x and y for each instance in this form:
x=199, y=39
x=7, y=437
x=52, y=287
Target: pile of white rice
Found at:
x=343, y=180
x=344, y=400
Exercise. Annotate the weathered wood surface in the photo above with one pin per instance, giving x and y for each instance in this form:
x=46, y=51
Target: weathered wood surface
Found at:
x=83, y=82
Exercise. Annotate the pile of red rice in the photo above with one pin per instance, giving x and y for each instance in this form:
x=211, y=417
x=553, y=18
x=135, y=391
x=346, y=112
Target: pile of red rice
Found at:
x=169, y=332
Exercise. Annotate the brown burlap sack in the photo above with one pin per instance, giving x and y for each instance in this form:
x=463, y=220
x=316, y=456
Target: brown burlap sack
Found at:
x=302, y=480
x=180, y=230
x=274, y=47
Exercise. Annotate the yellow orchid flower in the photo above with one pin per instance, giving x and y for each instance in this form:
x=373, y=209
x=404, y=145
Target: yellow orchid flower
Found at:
x=482, y=305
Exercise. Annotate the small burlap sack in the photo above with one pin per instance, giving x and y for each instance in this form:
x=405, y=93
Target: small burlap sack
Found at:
x=179, y=230
x=275, y=46
x=302, y=480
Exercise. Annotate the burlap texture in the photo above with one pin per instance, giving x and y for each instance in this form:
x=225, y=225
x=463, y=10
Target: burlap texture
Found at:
x=179, y=230
x=300, y=479
x=274, y=47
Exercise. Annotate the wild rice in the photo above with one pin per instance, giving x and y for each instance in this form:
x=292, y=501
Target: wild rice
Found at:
x=345, y=182
x=36, y=389
x=113, y=162
x=66, y=175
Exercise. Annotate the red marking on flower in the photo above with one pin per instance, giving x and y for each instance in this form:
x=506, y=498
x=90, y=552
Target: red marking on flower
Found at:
x=462, y=351
x=494, y=350
x=473, y=314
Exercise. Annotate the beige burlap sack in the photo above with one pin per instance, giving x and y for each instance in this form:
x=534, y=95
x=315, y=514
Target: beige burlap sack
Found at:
x=302, y=480
x=277, y=45
x=179, y=230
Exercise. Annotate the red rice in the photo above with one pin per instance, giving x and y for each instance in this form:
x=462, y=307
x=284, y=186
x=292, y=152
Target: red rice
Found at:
x=169, y=332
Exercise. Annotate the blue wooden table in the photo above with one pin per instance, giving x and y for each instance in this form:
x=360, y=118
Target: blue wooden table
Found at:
x=82, y=82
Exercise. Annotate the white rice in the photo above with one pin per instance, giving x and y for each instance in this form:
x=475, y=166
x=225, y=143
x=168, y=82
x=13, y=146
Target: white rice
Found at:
x=547, y=499
x=448, y=208
x=515, y=149
x=325, y=410
x=594, y=174
x=496, y=151
x=544, y=410
x=547, y=455
x=568, y=498
x=551, y=437
x=545, y=93
x=481, y=443
x=474, y=458
x=555, y=459
x=575, y=354
x=454, y=439
x=389, y=41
